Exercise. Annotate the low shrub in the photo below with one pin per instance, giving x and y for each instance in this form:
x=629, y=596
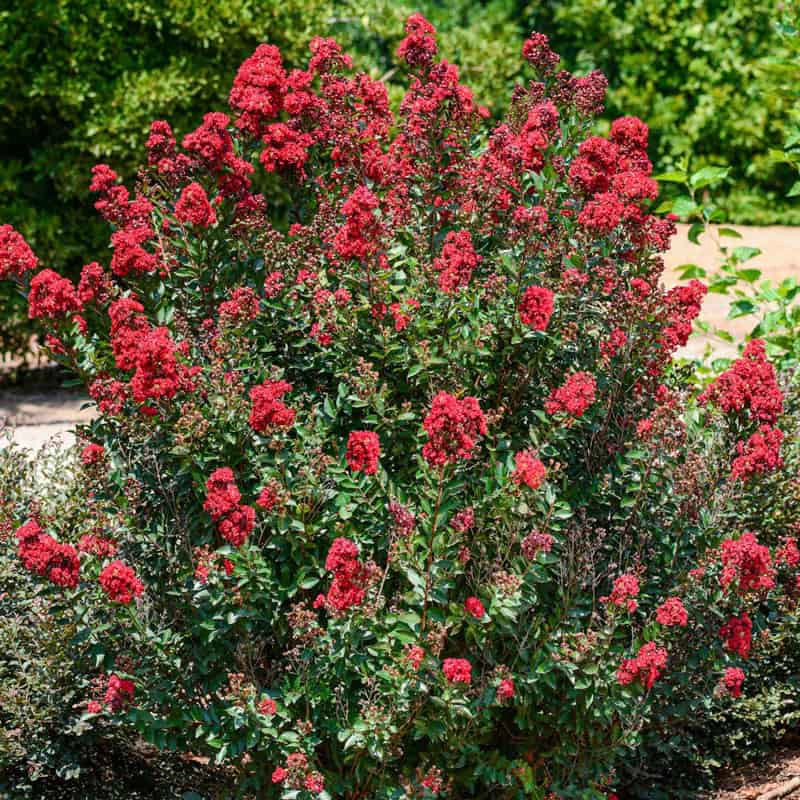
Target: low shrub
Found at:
x=403, y=495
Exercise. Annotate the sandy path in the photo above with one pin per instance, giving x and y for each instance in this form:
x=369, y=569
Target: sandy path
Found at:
x=37, y=416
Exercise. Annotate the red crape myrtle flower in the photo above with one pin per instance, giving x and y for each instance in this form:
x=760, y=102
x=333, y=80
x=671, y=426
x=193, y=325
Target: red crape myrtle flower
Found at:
x=93, y=454
x=528, y=470
x=474, y=607
x=52, y=295
x=505, y=689
x=457, y=670
x=120, y=583
x=234, y=520
x=536, y=307
x=574, y=397
x=363, y=452
x=536, y=542
x=418, y=49
x=42, y=554
x=268, y=411
x=760, y=454
x=453, y=427
x=645, y=667
x=119, y=693
x=672, y=612
x=350, y=576
x=16, y=256
x=732, y=681
x=193, y=207
x=457, y=261
x=626, y=588
x=747, y=563
x=737, y=633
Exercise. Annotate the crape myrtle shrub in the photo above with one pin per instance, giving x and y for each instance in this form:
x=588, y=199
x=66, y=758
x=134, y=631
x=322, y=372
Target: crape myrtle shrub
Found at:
x=81, y=82
x=403, y=496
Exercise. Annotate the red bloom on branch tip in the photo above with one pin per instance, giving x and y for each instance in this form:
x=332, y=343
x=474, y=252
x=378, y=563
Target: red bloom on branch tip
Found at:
x=51, y=295
x=505, y=689
x=574, y=396
x=536, y=307
x=453, y=427
x=193, y=207
x=119, y=693
x=626, y=588
x=418, y=49
x=528, y=469
x=16, y=256
x=457, y=670
x=267, y=707
x=474, y=607
x=268, y=411
x=363, y=452
x=92, y=454
x=732, y=681
x=672, y=612
x=120, y=583
x=645, y=667
x=747, y=563
x=737, y=633
x=279, y=775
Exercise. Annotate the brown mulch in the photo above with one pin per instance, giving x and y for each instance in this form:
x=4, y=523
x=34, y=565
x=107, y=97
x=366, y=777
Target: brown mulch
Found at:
x=757, y=779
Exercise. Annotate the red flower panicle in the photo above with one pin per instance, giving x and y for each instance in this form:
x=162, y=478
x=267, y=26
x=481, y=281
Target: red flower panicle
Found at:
x=732, y=681
x=120, y=583
x=193, y=207
x=536, y=307
x=363, y=452
x=737, y=633
x=42, y=554
x=474, y=607
x=574, y=397
x=626, y=588
x=268, y=411
x=457, y=262
x=645, y=667
x=528, y=470
x=672, y=612
x=16, y=256
x=52, y=295
x=119, y=693
x=234, y=520
x=747, y=563
x=453, y=427
x=457, y=670
x=350, y=576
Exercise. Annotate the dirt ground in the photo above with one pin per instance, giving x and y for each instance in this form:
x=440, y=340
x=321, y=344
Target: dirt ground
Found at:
x=764, y=778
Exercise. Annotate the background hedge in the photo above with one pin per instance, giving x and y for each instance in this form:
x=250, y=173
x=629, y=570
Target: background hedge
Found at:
x=82, y=79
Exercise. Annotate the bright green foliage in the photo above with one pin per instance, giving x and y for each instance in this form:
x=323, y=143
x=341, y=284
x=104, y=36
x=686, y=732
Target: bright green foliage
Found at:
x=702, y=74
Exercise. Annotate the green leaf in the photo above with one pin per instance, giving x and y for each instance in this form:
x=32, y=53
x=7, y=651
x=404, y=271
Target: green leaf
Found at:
x=685, y=207
x=795, y=190
x=742, y=254
x=729, y=232
x=741, y=308
x=671, y=177
x=687, y=271
x=708, y=175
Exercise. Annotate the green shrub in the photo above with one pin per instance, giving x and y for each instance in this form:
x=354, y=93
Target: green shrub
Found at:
x=702, y=74
x=394, y=485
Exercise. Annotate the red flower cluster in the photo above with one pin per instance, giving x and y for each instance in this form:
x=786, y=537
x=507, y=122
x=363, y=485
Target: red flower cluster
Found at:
x=536, y=307
x=350, y=576
x=268, y=411
x=645, y=667
x=96, y=546
x=242, y=307
x=42, y=554
x=359, y=237
x=473, y=606
x=671, y=613
x=457, y=670
x=16, y=256
x=120, y=583
x=626, y=588
x=738, y=634
x=750, y=384
x=505, y=689
x=760, y=454
x=193, y=207
x=52, y=295
x=457, y=261
x=528, y=469
x=234, y=520
x=258, y=88
x=418, y=49
x=453, y=427
x=574, y=397
x=363, y=452
x=748, y=563
x=267, y=707
x=119, y=693
x=93, y=454
x=732, y=681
